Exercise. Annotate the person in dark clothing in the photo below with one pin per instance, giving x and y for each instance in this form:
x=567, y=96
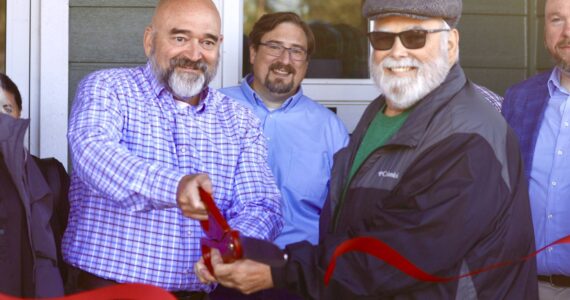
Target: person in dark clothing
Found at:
x=431, y=170
x=33, y=208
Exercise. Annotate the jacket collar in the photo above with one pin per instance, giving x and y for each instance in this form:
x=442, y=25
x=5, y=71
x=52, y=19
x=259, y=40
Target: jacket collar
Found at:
x=12, y=132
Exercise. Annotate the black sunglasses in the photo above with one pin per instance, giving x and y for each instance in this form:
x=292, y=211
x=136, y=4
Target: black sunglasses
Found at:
x=411, y=39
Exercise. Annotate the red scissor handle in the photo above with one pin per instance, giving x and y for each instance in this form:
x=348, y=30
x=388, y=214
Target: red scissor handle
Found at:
x=219, y=235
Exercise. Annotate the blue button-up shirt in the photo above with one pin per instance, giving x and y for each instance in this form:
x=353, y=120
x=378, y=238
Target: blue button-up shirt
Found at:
x=550, y=181
x=130, y=145
x=302, y=138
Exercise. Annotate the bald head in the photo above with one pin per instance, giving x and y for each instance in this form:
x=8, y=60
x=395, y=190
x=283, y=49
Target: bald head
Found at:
x=166, y=8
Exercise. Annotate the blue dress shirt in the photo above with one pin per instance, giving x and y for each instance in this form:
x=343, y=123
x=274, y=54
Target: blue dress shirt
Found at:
x=549, y=184
x=302, y=137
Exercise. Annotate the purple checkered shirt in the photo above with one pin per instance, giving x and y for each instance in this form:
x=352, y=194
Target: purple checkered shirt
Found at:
x=130, y=146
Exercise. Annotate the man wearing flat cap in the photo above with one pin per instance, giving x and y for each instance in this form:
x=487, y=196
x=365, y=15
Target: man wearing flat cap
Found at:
x=432, y=171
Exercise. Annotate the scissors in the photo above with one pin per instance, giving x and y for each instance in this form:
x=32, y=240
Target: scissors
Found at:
x=219, y=235
x=231, y=244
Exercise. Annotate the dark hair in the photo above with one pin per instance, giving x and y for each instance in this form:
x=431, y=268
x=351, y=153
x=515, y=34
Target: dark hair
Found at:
x=268, y=22
x=9, y=86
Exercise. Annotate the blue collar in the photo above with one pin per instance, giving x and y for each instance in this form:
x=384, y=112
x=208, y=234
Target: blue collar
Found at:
x=554, y=85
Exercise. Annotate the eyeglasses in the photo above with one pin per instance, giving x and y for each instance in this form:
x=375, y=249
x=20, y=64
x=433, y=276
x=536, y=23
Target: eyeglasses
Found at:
x=296, y=53
x=411, y=39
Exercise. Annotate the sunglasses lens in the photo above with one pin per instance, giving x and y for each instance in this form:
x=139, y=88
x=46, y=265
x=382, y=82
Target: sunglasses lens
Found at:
x=382, y=40
x=413, y=39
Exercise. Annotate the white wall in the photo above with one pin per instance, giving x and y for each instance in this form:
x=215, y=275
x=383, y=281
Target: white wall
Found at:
x=37, y=60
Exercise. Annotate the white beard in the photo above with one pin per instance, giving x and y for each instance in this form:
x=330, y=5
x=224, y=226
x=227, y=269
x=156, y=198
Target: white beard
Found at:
x=404, y=92
x=182, y=85
x=186, y=85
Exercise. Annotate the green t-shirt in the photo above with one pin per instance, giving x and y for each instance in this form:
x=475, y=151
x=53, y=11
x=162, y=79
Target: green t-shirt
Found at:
x=378, y=133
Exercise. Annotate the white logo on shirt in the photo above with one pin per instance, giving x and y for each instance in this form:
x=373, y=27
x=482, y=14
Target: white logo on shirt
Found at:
x=389, y=174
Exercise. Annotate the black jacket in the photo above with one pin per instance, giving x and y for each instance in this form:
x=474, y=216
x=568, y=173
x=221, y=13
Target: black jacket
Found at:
x=447, y=192
x=33, y=216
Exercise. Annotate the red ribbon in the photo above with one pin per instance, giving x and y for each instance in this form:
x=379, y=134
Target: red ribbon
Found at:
x=127, y=291
x=382, y=251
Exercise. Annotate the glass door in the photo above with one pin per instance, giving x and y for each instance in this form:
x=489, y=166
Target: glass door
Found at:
x=339, y=29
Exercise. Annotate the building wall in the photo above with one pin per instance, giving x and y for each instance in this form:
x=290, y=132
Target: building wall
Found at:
x=500, y=41
x=105, y=34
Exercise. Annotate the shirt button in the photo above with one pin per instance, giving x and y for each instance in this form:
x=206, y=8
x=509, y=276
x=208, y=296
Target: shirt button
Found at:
x=566, y=124
x=550, y=216
x=560, y=152
x=550, y=249
x=554, y=183
x=182, y=150
x=190, y=232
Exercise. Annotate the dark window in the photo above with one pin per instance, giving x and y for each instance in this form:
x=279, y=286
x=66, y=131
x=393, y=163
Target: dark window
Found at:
x=340, y=34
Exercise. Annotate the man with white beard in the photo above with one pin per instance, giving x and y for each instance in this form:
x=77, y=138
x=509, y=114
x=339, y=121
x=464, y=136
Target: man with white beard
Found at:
x=431, y=171
x=143, y=140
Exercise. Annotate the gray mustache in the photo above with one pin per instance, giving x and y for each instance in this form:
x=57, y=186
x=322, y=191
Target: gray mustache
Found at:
x=184, y=62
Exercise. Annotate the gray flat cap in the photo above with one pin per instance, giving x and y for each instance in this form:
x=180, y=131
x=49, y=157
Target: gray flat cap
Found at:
x=449, y=10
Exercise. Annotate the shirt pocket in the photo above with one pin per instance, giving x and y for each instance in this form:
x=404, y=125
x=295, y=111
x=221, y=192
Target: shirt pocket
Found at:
x=308, y=174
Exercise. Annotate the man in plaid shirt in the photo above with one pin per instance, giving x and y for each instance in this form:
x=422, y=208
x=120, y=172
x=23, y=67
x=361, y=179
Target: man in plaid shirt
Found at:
x=143, y=140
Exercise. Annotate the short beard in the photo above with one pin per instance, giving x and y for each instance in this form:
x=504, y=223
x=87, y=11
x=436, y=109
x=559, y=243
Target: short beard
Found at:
x=403, y=93
x=563, y=65
x=184, y=85
x=278, y=86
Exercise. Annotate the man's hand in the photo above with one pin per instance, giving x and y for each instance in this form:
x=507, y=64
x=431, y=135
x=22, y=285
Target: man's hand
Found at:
x=188, y=197
x=245, y=275
x=202, y=271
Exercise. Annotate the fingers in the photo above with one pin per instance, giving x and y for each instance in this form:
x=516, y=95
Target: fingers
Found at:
x=203, y=181
x=216, y=257
x=202, y=272
x=188, y=196
x=245, y=275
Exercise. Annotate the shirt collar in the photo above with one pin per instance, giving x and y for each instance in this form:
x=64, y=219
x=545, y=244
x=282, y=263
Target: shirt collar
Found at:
x=206, y=99
x=554, y=85
x=156, y=86
x=255, y=100
x=12, y=133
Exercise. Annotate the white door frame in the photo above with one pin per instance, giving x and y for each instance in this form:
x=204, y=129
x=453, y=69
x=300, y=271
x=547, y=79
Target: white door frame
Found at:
x=37, y=60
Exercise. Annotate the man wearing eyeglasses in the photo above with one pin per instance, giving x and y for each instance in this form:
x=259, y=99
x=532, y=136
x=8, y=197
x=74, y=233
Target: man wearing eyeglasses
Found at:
x=431, y=170
x=302, y=135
